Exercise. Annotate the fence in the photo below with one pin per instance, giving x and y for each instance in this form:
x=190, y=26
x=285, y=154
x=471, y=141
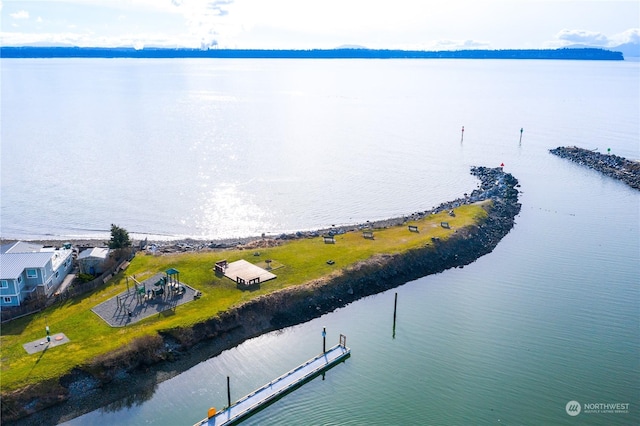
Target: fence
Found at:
x=37, y=304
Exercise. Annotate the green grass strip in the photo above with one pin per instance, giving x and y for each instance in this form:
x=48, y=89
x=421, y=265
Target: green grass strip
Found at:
x=295, y=262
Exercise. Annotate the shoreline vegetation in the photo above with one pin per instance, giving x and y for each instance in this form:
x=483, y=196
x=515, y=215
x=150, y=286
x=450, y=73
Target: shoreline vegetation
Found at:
x=610, y=165
x=587, y=53
x=159, y=348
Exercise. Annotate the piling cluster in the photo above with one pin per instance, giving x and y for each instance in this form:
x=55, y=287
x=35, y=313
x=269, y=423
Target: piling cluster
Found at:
x=608, y=164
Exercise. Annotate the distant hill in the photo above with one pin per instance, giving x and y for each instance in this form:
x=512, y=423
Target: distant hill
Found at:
x=349, y=53
x=43, y=44
x=627, y=49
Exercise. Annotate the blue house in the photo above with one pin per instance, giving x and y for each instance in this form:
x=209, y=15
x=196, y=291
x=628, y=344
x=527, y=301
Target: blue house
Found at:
x=31, y=270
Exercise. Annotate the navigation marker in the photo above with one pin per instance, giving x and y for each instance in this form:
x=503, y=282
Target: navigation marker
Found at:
x=521, y=130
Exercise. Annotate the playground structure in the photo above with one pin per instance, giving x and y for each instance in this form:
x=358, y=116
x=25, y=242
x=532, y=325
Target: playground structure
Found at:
x=161, y=293
x=158, y=286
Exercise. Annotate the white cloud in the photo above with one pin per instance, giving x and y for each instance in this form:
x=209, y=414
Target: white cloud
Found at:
x=17, y=38
x=89, y=39
x=21, y=14
x=631, y=35
x=459, y=45
x=403, y=24
x=205, y=20
x=591, y=38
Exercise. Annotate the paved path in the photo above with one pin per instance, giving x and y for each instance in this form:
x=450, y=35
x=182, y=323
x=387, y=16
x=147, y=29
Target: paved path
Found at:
x=42, y=344
x=67, y=281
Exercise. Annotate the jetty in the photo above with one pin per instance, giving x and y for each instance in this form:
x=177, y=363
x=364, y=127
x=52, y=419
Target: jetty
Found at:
x=279, y=387
x=627, y=171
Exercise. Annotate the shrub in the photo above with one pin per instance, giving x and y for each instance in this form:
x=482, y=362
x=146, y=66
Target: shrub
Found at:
x=85, y=278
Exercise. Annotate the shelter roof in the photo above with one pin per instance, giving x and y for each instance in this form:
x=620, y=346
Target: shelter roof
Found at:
x=247, y=271
x=95, y=252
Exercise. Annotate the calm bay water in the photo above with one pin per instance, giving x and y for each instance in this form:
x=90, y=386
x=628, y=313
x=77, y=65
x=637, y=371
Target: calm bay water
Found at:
x=226, y=148
x=239, y=147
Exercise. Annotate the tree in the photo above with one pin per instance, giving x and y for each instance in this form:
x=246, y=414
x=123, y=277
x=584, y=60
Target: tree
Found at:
x=119, y=238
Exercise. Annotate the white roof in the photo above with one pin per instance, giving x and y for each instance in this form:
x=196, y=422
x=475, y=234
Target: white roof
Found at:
x=95, y=252
x=16, y=257
x=20, y=247
x=12, y=264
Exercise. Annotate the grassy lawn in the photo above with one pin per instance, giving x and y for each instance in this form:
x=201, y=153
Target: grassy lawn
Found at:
x=295, y=262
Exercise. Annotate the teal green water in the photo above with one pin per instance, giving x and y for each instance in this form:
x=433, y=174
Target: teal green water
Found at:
x=550, y=316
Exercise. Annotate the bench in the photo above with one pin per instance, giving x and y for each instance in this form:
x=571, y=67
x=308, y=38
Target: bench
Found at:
x=368, y=235
x=247, y=283
x=221, y=266
x=413, y=228
x=328, y=239
x=444, y=224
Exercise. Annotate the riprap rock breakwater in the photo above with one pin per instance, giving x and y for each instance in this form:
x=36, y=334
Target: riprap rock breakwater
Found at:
x=611, y=165
x=128, y=371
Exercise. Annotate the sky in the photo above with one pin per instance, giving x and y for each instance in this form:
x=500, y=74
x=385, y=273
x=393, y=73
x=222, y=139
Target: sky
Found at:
x=320, y=24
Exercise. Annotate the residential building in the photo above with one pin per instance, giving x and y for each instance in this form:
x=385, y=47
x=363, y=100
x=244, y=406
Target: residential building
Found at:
x=28, y=270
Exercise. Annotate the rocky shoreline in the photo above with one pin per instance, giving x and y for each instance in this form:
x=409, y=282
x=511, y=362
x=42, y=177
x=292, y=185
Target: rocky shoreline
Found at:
x=491, y=185
x=130, y=376
x=608, y=164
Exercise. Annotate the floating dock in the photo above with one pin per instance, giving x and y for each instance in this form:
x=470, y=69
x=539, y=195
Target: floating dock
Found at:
x=278, y=387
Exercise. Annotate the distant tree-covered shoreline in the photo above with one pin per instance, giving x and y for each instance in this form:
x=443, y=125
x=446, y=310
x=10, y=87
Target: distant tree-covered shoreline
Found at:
x=128, y=52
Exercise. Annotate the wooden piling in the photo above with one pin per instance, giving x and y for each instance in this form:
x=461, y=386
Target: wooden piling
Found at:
x=395, y=309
